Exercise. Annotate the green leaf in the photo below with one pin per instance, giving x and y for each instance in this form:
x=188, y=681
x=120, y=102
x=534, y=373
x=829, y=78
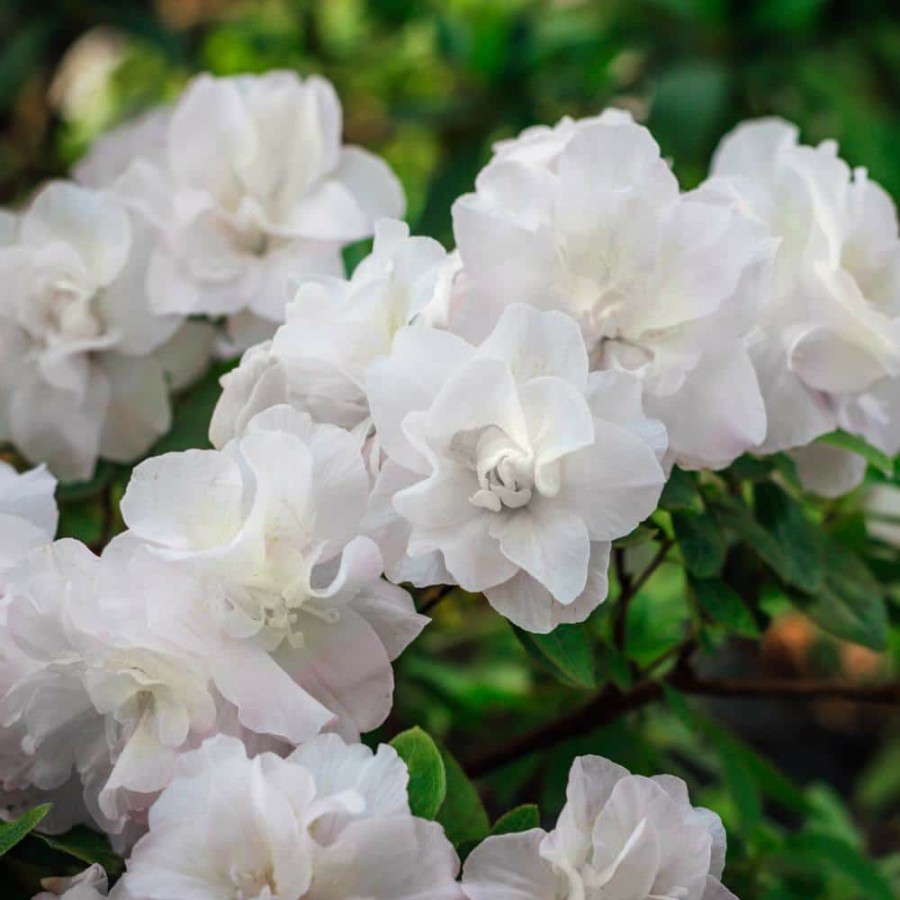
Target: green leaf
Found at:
x=462, y=813
x=87, y=846
x=784, y=518
x=855, y=444
x=724, y=606
x=838, y=856
x=427, y=776
x=522, y=818
x=13, y=832
x=616, y=667
x=850, y=604
x=735, y=516
x=751, y=468
x=641, y=535
x=681, y=493
x=701, y=542
x=565, y=651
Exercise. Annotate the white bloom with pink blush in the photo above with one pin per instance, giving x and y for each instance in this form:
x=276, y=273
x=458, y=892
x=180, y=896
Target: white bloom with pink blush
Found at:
x=509, y=469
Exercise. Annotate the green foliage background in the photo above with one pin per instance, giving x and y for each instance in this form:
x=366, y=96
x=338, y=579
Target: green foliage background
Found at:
x=809, y=789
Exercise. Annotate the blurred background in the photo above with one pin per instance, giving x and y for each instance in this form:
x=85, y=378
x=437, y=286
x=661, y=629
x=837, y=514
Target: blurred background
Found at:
x=431, y=85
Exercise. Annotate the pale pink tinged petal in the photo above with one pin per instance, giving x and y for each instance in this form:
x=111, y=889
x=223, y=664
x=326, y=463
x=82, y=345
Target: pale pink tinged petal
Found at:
x=30, y=496
x=442, y=500
x=510, y=867
x=718, y=413
x=421, y=361
x=551, y=544
x=186, y=355
x=172, y=291
x=558, y=420
x=752, y=149
x=92, y=222
x=828, y=471
x=329, y=213
x=372, y=183
x=536, y=343
x=269, y=700
x=58, y=427
x=481, y=394
x=397, y=858
x=633, y=872
x=613, y=484
x=390, y=611
x=826, y=361
x=618, y=397
x=209, y=133
x=139, y=411
x=344, y=665
x=187, y=501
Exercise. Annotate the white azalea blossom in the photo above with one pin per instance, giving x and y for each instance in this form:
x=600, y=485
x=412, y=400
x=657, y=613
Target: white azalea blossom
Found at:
x=252, y=190
x=618, y=836
x=827, y=343
x=509, y=469
x=84, y=362
x=91, y=884
x=330, y=822
x=335, y=328
x=270, y=526
x=28, y=514
x=587, y=218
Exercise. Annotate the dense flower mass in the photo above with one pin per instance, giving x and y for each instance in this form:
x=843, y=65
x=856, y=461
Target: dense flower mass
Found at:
x=587, y=218
x=826, y=342
x=250, y=189
x=509, y=470
x=86, y=366
x=618, y=836
x=492, y=417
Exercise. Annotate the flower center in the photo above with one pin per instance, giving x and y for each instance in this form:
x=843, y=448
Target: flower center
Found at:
x=253, y=884
x=505, y=471
x=62, y=312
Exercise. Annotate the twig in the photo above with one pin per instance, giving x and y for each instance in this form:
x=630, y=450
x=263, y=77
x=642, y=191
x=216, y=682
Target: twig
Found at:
x=629, y=588
x=610, y=704
x=433, y=596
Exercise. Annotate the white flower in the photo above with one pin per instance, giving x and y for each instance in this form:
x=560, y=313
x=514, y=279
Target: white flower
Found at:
x=587, y=218
x=330, y=822
x=881, y=508
x=91, y=884
x=335, y=328
x=83, y=360
x=619, y=836
x=270, y=525
x=252, y=189
x=111, y=684
x=827, y=345
x=28, y=513
x=509, y=470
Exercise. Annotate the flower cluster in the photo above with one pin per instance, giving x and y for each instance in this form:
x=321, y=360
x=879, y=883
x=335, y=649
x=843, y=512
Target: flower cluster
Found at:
x=492, y=417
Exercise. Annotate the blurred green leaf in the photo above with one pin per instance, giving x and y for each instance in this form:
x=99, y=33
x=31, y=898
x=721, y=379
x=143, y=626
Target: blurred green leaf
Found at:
x=13, y=832
x=565, y=652
x=522, y=818
x=855, y=444
x=462, y=813
x=680, y=493
x=701, y=542
x=87, y=846
x=641, y=535
x=427, y=776
x=724, y=606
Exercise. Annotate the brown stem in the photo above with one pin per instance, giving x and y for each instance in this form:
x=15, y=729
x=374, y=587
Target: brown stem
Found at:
x=611, y=703
x=433, y=596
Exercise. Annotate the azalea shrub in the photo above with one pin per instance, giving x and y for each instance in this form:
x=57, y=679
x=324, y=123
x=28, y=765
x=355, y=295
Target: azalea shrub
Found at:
x=546, y=554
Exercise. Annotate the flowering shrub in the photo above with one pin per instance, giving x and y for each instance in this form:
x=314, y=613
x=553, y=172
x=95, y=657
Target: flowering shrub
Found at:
x=609, y=375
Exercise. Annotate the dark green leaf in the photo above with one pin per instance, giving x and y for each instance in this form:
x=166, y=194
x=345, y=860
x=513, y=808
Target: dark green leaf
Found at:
x=641, y=535
x=427, y=777
x=616, y=667
x=735, y=516
x=751, y=468
x=13, y=832
x=724, y=606
x=850, y=604
x=462, y=813
x=785, y=520
x=839, y=856
x=701, y=542
x=565, y=651
x=86, y=845
x=855, y=444
x=522, y=818
x=681, y=493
